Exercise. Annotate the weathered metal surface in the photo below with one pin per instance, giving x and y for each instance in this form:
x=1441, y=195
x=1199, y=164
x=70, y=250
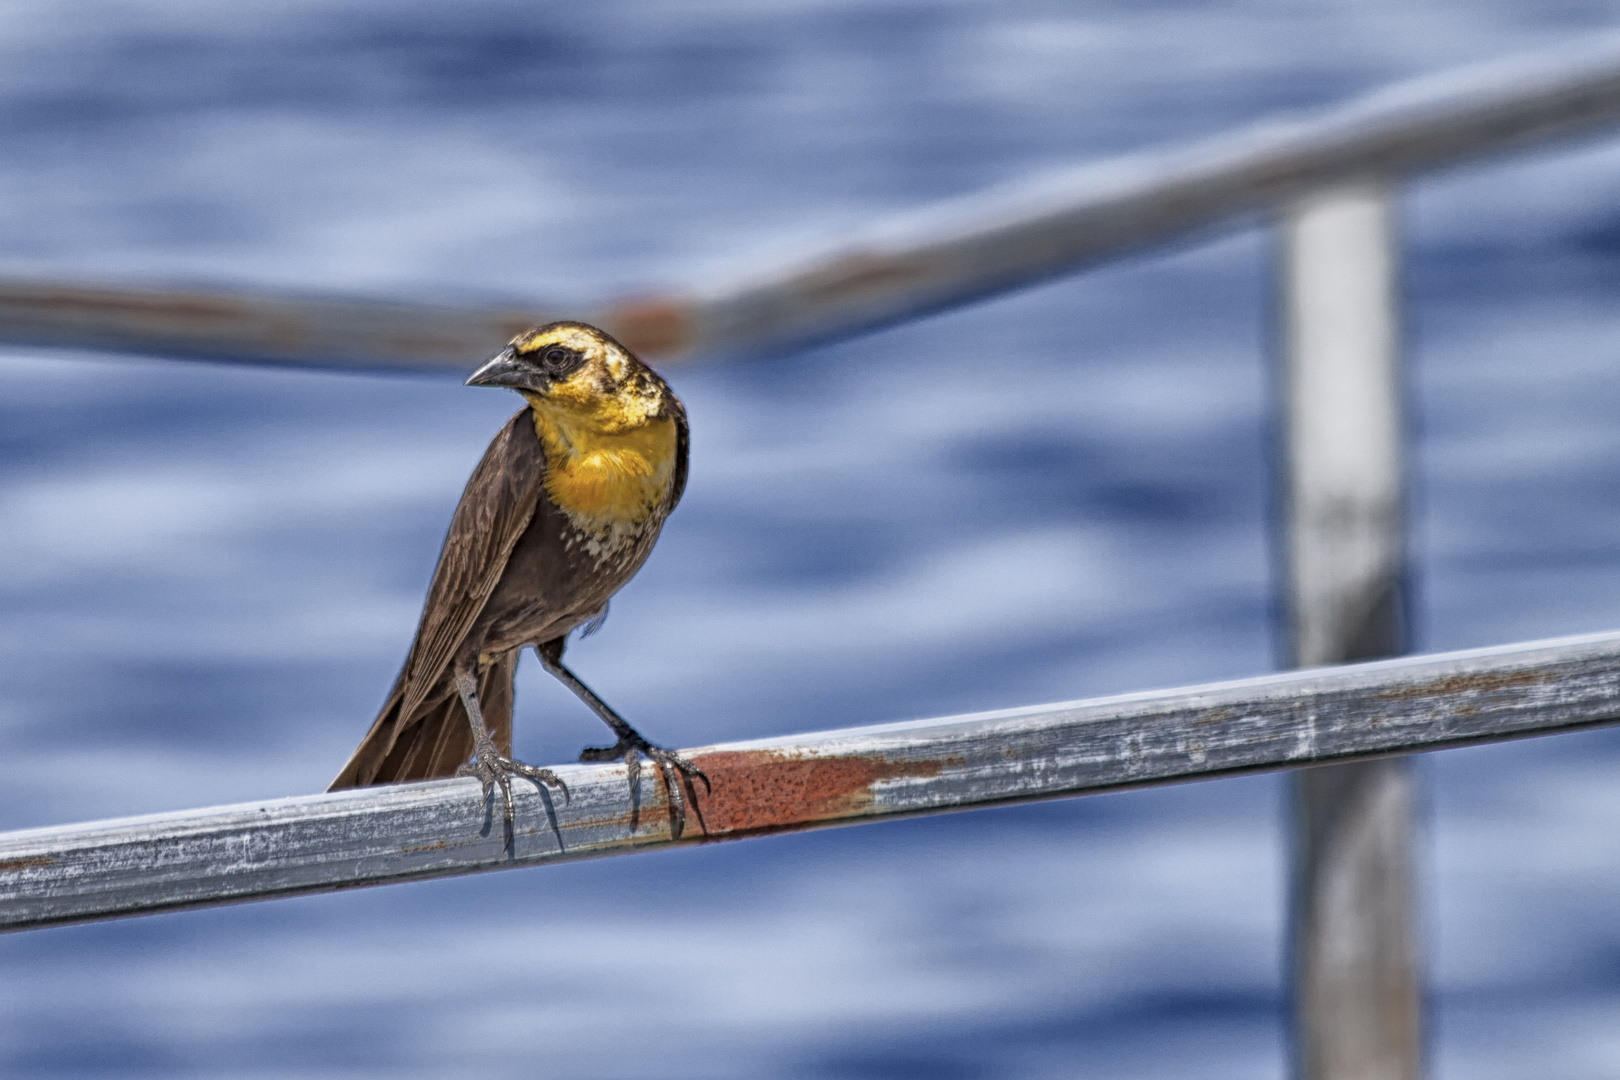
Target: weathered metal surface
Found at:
x=376, y=835
x=942, y=256
x=315, y=331
x=1344, y=540
x=1354, y=978
x=1358, y=1001
x=987, y=243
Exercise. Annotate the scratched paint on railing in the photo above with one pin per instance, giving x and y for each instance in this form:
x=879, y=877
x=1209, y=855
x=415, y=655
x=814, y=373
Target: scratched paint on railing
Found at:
x=392, y=833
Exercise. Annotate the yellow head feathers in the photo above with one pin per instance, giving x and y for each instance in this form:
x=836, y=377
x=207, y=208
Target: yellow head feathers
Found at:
x=606, y=421
x=587, y=378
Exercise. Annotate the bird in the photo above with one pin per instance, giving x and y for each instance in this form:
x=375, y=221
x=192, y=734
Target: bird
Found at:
x=560, y=513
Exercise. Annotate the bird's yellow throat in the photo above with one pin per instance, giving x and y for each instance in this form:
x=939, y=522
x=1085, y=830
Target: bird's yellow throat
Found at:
x=602, y=471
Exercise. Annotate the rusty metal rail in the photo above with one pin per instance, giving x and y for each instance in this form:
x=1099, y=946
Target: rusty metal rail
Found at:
x=318, y=331
x=946, y=255
x=1329, y=180
x=377, y=835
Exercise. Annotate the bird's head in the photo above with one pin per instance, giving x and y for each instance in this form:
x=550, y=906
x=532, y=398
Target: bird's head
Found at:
x=576, y=372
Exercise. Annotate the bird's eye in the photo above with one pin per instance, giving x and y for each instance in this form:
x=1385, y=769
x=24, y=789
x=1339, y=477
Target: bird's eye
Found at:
x=557, y=357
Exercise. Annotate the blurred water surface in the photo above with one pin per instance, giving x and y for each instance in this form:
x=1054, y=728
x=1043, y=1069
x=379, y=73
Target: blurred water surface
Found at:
x=208, y=576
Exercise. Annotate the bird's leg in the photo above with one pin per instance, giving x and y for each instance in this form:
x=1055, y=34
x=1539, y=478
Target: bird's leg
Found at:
x=487, y=763
x=631, y=745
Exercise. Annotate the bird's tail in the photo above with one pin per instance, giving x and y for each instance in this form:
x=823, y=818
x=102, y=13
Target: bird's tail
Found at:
x=436, y=738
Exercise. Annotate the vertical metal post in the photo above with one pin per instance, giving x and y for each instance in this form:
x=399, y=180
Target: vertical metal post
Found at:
x=1355, y=981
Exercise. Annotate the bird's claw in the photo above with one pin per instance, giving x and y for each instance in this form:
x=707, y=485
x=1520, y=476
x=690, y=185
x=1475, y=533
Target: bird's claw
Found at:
x=673, y=768
x=493, y=769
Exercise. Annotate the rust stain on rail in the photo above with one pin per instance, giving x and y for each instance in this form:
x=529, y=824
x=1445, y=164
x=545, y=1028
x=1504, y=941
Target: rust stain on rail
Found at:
x=257, y=326
x=755, y=790
x=181, y=307
x=32, y=862
x=652, y=325
x=1472, y=683
x=155, y=317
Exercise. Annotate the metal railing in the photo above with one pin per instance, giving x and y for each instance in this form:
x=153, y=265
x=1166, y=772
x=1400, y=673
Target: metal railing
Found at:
x=369, y=836
x=1354, y=952
x=946, y=255
x=1327, y=181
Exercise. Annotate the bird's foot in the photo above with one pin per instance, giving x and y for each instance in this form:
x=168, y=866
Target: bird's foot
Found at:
x=492, y=770
x=675, y=770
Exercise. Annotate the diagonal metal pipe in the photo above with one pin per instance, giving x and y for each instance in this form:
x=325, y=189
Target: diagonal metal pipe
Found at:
x=929, y=260
x=372, y=836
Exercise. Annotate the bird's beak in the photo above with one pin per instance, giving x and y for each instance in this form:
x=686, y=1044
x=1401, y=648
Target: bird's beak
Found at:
x=504, y=370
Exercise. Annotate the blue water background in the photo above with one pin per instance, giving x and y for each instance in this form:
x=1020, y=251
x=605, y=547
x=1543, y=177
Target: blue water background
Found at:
x=209, y=575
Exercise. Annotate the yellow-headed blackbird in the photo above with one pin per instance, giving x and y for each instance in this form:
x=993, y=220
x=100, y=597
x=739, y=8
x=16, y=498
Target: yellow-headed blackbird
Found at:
x=564, y=507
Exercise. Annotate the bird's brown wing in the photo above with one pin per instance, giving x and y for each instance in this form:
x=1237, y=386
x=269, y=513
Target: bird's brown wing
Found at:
x=440, y=739
x=495, y=509
x=683, y=444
